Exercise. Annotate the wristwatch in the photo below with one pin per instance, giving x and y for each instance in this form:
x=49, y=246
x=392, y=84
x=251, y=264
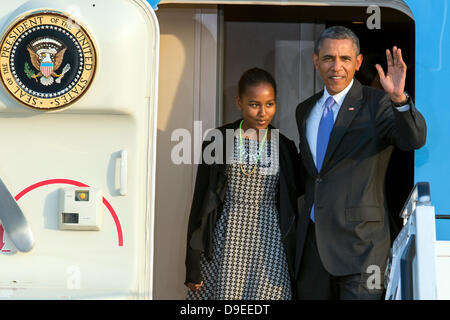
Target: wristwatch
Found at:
x=402, y=103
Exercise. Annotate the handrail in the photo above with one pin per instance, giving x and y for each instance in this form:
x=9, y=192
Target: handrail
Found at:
x=420, y=195
x=411, y=270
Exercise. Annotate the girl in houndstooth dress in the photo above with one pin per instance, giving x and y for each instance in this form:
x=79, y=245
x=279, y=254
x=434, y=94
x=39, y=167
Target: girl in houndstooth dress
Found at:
x=248, y=258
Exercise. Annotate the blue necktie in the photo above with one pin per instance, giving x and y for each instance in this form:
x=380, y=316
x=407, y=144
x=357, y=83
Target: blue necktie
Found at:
x=323, y=135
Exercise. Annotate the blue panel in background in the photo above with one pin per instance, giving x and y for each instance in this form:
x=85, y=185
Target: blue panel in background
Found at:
x=432, y=74
x=443, y=229
x=153, y=3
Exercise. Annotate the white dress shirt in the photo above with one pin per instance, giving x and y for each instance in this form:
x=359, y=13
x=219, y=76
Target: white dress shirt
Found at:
x=313, y=120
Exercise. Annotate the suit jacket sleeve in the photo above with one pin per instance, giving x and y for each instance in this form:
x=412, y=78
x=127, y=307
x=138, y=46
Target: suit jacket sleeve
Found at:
x=407, y=130
x=192, y=255
x=300, y=173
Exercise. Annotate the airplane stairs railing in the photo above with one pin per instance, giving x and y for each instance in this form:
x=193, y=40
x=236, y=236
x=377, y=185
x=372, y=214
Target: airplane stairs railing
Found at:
x=411, y=271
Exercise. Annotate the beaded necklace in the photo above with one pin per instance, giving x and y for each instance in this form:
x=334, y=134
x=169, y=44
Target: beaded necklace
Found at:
x=242, y=150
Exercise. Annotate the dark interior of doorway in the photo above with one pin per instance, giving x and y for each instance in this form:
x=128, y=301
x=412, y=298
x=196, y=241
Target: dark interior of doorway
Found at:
x=397, y=28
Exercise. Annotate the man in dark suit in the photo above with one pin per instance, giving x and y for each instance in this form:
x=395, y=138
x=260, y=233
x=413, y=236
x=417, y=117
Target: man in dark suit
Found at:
x=347, y=133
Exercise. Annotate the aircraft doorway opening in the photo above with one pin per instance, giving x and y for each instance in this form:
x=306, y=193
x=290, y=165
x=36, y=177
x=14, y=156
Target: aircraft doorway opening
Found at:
x=280, y=39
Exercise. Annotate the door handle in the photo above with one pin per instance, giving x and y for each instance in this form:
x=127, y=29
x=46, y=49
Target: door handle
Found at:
x=123, y=172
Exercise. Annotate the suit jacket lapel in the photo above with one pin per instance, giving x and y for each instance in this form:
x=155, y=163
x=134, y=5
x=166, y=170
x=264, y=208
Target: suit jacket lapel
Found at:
x=304, y=145
x=350, y=107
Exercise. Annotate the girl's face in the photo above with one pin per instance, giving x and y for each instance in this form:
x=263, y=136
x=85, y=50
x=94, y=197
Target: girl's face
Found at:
x=257, y=105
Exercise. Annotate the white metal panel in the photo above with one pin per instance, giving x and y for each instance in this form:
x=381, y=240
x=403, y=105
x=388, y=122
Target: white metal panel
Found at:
x=425, y=223
x=442, y=269
x=84, y=143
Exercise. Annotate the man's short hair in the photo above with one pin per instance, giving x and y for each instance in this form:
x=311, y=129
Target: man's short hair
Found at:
x=337, y=32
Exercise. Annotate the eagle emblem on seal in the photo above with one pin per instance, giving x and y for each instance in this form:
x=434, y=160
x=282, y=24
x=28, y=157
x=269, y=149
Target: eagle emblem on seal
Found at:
x=46, y=55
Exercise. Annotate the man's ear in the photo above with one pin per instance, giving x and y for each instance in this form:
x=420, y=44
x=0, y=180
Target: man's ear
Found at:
x=359, y=60
x=315, y=57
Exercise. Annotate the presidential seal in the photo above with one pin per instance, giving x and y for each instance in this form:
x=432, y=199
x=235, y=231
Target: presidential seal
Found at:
x=47, y=60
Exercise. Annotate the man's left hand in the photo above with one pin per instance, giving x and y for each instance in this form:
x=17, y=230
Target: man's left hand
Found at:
x=394, y=82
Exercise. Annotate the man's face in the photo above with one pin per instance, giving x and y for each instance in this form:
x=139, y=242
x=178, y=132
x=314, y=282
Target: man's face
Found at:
x=337, y=63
